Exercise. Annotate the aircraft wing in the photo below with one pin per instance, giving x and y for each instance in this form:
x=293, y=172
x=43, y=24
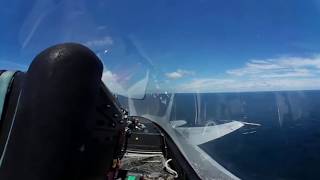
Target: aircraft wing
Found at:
x=201, y=135
x=177, y=123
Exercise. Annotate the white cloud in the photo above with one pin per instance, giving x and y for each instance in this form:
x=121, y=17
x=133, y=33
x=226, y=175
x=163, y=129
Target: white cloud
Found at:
x=238, y=85
x=283, y=73
x=105, y=41
x=136, y=90
x=179, y=73
x=280, y=67
x=101, y=27
x=111, y=80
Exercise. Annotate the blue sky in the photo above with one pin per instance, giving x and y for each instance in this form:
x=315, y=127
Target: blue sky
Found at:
x=180, y=46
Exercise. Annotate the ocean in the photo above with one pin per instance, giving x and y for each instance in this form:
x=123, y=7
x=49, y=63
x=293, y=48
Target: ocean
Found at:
x=285, y=146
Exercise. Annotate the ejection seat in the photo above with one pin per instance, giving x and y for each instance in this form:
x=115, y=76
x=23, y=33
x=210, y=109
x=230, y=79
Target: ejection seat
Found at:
x=58, y=119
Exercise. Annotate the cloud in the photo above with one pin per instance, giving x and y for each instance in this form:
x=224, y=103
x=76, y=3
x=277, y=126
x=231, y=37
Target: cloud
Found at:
x=101, y=27
x=136, y=90
x=240, y=85
x=111, y=80
x=105, y=41
x=179, y=73
x=280, y=67
x=283, y=73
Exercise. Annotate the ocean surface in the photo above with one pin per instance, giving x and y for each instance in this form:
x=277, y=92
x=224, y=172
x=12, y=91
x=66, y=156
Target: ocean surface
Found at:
x=285, y=146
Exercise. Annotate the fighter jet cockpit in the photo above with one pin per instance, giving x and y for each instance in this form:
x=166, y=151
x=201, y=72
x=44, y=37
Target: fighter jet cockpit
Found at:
x=166, y=89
